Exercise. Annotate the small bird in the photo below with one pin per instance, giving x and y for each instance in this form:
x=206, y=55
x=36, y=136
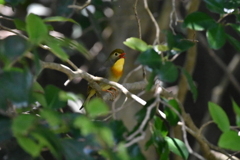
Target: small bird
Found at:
x=111, y=70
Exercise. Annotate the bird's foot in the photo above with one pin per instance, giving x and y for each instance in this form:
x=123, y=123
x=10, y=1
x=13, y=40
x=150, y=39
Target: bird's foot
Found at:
x=113, y=91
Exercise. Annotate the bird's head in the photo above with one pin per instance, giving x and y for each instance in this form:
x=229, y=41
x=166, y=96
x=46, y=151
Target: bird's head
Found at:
x=116, y=55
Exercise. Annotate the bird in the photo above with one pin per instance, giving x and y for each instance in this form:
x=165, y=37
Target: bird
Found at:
x=112, y=70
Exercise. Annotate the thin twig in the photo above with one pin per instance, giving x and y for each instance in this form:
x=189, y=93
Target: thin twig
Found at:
x=138, y=20
x=154, y=21
x=80, y=7
x=171, y=16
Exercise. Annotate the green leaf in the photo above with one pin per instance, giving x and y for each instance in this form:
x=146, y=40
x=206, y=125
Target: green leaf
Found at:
x=135, y=153
x=234, y=42
x=177, y=147
x=38, y=94
x=171, y=116
x=5, y=132
x=85, y=124
x=2, y=1
x=12, y=47
x=36, y=29
x=21, y=25
x=219, y=116
x=198, y=21
x=23, y=124
x=177, y=43
x=229, y=140
x=96, y=107
x=168, y=72
x=52, y=95
x=56, y=49
x=160, y=126
x=62, y=8
x=236, y=109
x=216, y=6
x=15, y=87
x=66, y=42
x=52, y=117
x=74, y=149
x=191, y=84
x=136, y=44
x=140, y=115
x=106, y=135
x=15, y=2
x=122, y=152
x=47, y=138
x=236, y=27
x=150, y=58
x=151, y=81
x=29, y=145
x=59, y=19
x=216, y=36
x=118, y=129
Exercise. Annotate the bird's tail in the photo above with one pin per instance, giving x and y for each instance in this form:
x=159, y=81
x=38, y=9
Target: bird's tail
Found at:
x=85, y=102
x=91, y=93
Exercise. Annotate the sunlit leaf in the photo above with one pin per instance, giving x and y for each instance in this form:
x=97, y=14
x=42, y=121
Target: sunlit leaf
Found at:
x=219, y=116
x=177, y=147
x=230, y=140
x=36, y=29
x=136, y=44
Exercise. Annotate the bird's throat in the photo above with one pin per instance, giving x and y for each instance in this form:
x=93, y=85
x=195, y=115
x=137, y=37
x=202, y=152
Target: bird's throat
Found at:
x=117, y=69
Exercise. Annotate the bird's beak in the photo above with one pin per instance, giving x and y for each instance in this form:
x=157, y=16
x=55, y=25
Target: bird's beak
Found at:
x=122, y=55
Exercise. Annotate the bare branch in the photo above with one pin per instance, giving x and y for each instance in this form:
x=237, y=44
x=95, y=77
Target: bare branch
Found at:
x=91, y=79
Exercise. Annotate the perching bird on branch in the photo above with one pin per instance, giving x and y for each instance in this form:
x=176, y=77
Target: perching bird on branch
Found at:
x=111, y=70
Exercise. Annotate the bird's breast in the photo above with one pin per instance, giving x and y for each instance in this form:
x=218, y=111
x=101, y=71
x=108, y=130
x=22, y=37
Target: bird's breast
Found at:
x=117, y=70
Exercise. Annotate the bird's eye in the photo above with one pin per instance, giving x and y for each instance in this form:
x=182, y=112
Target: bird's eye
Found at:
x=116, y=54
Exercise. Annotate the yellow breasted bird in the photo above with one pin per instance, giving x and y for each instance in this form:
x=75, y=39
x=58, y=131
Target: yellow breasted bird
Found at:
x=111, y=70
